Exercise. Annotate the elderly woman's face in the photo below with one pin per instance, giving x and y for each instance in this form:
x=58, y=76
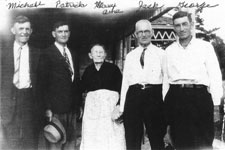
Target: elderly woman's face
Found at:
x=97, y=54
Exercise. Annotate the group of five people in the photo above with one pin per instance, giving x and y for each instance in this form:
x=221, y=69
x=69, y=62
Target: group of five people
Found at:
x=36, y=85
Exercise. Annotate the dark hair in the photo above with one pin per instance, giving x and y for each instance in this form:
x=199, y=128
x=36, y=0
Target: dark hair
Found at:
x=21, y=19
x=181, y=14
x=59, y=24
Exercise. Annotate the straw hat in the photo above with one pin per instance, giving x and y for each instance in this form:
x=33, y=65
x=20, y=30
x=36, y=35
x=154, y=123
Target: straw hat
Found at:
x=54, y=131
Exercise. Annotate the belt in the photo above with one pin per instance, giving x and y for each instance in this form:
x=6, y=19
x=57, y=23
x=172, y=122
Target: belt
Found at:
x=191, y=86
x=144, y=86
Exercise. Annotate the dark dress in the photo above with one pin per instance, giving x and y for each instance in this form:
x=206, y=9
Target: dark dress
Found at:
x=107, y=77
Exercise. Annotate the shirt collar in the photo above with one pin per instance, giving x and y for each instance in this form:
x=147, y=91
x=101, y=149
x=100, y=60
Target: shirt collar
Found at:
x=148, y=47
x=190, y=43
x=60, y=47
x=17, y=46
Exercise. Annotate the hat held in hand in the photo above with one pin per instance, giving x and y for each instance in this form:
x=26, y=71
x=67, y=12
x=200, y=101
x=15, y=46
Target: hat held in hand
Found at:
x=54, y=131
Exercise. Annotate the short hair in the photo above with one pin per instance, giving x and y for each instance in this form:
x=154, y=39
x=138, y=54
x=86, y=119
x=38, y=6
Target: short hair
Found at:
x=21, y=19
x=181, y=14
x=59, y=24
x=141, y=21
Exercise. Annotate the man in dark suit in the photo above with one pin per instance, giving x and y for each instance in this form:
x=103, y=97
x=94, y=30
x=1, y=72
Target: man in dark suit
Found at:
x=19, y=63
x=59, y=77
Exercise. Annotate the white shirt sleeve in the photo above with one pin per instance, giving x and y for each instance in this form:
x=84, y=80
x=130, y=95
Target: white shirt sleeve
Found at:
x=215, y=75
x=125, y=84
x=165, y=76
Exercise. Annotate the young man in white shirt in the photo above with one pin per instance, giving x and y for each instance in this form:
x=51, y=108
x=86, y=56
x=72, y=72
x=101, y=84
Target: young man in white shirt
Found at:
x=195, y=85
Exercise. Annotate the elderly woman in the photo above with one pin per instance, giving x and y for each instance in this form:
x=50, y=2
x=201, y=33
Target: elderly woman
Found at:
x=102, y=82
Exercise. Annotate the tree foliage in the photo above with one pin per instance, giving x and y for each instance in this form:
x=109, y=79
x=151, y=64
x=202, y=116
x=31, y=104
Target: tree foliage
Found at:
x=217, y=42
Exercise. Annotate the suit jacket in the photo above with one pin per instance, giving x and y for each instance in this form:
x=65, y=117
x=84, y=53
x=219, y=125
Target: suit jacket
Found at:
x=59, y=93
x=8, y=90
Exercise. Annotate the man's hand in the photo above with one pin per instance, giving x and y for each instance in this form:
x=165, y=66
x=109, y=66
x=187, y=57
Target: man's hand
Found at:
x=120, y=119
x=48, y=115
x=167, y=138
x=216, y=113
x=117, y=115
x=223, y=102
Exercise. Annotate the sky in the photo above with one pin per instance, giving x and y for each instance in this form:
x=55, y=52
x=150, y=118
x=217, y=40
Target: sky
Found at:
x=214, y=17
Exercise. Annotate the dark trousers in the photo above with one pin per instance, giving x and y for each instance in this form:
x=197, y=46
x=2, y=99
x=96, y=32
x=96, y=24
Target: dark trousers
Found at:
x=189, y=112
x=68, y=121
x=144, y=107
x=21, y=133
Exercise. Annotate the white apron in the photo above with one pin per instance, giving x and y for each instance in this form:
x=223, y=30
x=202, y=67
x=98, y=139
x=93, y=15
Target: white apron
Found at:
x=99, y=132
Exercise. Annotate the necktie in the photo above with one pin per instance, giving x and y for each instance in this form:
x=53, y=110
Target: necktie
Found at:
x=16, y=78
x=67, y=61
x=142, y=57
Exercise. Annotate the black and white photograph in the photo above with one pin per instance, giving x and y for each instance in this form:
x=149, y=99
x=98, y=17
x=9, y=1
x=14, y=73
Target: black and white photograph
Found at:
x=112, y=75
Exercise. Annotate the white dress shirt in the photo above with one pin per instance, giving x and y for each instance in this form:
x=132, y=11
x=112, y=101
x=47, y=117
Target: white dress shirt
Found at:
x=195, y=64
x=24, y=69
x=133, y=73
x=61, y=49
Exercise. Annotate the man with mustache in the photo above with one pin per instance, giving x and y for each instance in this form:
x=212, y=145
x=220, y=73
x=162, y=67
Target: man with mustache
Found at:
x=19, y=89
